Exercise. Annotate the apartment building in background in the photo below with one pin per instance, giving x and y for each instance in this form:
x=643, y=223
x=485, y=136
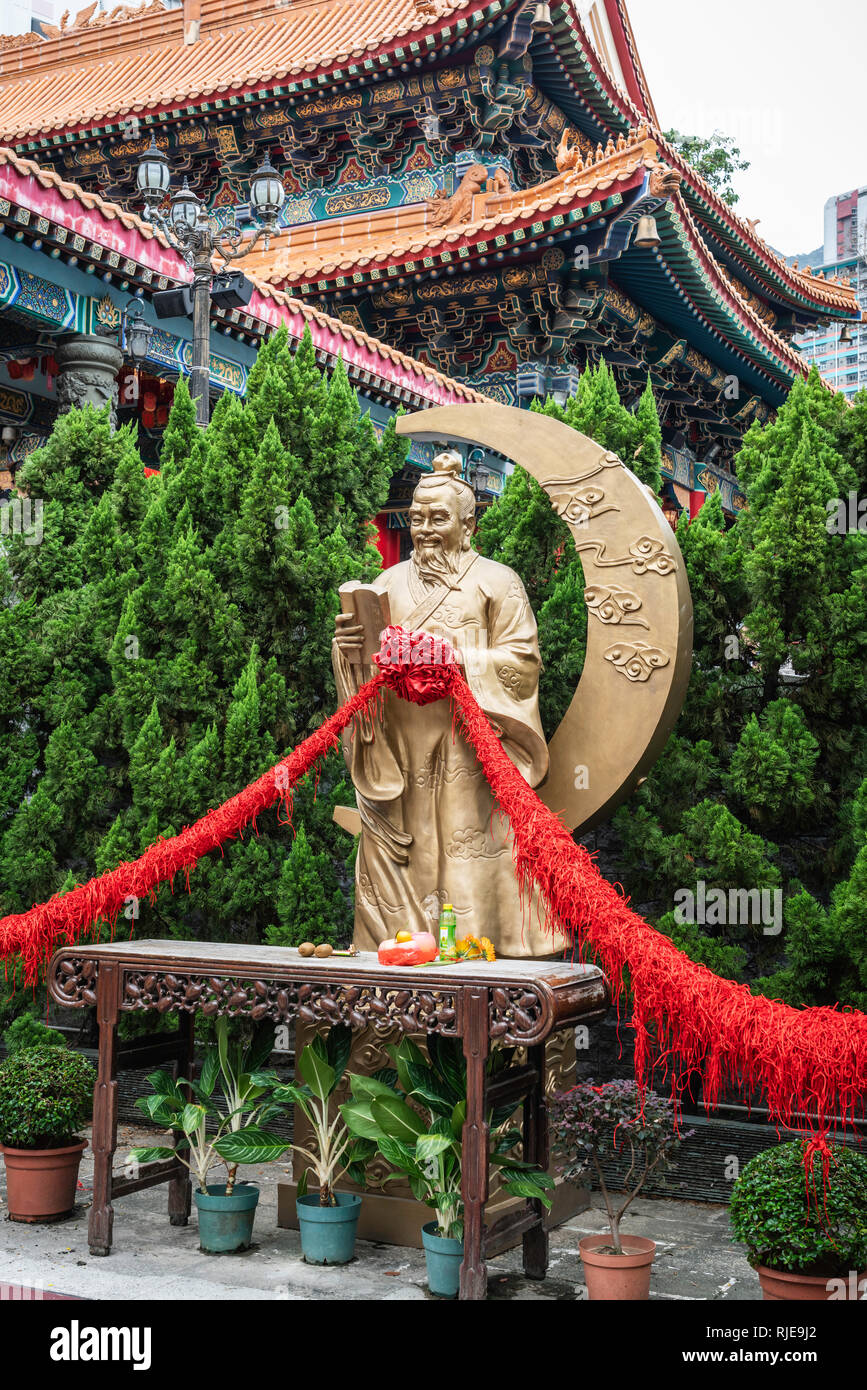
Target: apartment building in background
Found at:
x=841, y=353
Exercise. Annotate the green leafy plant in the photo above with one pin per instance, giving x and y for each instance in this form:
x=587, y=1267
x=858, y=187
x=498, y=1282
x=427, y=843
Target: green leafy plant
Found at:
x=220, y=573
x=788, y=1224
x=413, y=1114
x=46, y=1095
x=716, y=157
x=321, y=1065
x=28, y=1031
x=590, y=1123
x=237, y=1132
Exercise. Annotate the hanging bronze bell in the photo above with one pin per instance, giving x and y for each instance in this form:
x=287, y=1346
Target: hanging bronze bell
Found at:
x=647, y=236
x=542, y=21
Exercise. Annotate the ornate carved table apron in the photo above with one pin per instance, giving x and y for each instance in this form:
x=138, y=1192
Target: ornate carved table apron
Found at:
x=513, y=1002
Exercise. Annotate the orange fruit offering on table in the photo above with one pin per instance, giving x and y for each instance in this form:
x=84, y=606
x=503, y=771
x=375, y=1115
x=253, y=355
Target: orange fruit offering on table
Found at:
x=420, y=949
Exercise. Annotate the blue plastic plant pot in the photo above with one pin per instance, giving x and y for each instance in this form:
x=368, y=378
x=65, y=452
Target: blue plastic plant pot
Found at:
x=226, y=1223
x=444, y=1258
x=328, y=1233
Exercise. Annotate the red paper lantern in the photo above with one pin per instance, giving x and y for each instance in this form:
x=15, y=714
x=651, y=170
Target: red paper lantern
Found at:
x=23, y=370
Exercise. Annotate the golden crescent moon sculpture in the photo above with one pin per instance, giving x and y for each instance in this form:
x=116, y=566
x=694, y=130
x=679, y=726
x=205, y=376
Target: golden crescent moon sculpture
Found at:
x=640, y=617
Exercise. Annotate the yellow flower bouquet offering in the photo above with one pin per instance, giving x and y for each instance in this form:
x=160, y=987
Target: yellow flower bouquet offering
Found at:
x=474, y=948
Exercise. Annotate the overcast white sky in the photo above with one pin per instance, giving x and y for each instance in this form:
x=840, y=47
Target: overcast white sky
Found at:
x=787, y=78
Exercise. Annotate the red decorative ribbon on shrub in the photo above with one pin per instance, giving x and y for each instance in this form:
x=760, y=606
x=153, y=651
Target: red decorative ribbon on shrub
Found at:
x=805, y=1062
x=34, y=935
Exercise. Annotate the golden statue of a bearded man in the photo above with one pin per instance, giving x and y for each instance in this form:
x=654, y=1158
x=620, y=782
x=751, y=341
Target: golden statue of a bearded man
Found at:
x=430, y=830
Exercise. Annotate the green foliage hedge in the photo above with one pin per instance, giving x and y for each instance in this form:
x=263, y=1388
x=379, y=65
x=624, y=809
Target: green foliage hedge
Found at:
x=764, y=783
x=46, y=1095
x=170, y=639
x=787, y=1226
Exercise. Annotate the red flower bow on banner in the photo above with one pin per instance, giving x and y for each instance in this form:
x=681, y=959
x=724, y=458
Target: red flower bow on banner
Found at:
x=416, y=665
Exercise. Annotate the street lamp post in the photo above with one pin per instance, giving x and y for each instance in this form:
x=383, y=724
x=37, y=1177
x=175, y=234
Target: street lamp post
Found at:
x=478, y=473
x=195, y=236
x=136, y=332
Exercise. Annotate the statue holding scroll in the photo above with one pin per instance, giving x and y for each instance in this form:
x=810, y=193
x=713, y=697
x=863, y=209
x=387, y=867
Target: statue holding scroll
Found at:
x=430, y=832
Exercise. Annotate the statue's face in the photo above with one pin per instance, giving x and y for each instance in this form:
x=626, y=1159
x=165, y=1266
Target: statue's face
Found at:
x=435, y=523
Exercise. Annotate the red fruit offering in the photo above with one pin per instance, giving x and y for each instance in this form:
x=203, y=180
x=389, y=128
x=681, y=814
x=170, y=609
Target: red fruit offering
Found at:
x=421, y=949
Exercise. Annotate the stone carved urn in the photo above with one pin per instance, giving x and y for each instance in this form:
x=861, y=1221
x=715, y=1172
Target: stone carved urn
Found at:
x=87, y=373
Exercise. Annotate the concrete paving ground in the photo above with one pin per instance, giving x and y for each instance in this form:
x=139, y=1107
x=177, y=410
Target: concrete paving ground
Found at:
x=696, y=1257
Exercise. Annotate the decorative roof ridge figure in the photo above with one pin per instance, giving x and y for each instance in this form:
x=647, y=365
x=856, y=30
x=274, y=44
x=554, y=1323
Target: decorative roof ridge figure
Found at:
x=445, y=210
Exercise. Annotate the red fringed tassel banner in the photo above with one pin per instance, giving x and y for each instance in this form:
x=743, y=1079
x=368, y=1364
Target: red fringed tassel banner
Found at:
x=812, y=1061
x=34, y=935
x=805, y=1062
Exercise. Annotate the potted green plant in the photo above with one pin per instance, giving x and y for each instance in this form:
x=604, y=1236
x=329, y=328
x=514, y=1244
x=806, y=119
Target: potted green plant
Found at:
x=413, y=1114
x=327, y=1219
x=46, y=1095
x=589, y=1124
x=807, y=1240
x=228, y=1128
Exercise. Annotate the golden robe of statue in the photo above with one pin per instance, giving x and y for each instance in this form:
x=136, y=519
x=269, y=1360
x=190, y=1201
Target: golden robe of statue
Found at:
x=431, y=832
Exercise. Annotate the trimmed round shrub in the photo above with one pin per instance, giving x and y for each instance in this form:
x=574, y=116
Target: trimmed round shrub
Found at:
x=785, y=1227
x=28, y=1031
x=46, y=1095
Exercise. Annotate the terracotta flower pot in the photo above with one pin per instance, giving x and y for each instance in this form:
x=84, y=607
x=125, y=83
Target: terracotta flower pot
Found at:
x=781, y=1286
x=617, y=1277
x=41, y=1183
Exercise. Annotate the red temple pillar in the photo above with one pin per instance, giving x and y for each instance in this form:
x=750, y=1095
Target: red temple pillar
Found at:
x=697, y=500
x=387, y=542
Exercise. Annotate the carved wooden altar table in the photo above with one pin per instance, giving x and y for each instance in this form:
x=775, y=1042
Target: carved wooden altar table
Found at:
x=513, y=1002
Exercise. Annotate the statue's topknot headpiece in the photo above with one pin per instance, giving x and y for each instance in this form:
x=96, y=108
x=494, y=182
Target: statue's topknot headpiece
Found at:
x=447, y=467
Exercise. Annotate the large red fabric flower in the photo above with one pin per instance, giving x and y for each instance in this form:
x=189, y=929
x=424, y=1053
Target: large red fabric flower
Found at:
x=416, y=665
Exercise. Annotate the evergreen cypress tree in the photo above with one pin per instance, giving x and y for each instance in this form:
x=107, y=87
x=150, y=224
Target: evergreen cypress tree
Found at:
x=308, y=897
x=170, y=638
x=772, y=741
x=646, y=460
x=181, y=435
x=853, y=446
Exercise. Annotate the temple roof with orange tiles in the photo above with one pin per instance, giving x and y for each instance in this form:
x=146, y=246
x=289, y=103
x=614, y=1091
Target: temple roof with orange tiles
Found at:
x=481, y=187
x=152, y=262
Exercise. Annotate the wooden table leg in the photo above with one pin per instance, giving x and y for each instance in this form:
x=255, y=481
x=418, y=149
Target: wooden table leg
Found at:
x=180, y=1188
x=535, y=1241
x=474, y=1175
x=104, y=1136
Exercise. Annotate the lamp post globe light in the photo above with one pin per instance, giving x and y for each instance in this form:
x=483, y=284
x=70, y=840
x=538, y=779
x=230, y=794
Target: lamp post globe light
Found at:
x=136, y=332
x=267, y=195
x=190, y=230
x=478, y=473
x=184, y=209
x=153, y=175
